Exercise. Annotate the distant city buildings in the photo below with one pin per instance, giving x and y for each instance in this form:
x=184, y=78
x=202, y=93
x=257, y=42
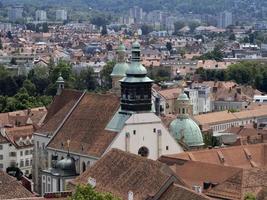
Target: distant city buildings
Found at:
x=15, y=13
x=61, y=15
x=136, y=13
x=40, y=15
x=225, y=19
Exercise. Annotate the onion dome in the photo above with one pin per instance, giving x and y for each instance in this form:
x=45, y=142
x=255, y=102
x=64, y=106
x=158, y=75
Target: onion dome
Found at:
x=67, y=165
x=121, y=67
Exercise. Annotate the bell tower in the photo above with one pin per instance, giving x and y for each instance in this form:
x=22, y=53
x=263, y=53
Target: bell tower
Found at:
x=136, y=86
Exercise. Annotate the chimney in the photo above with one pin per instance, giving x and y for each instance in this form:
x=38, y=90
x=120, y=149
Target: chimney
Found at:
x=197, y=189
x=92, y=182
x=130, y=195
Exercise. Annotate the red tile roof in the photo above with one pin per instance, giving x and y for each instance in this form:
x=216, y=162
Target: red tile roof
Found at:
x=247, y=156
x=241, y=183
x=10, y=188
x=85, y=126
x=58, y=110
x=119, y=172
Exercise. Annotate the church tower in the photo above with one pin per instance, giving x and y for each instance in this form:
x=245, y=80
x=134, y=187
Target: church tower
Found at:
x=136, y=86
x=60, y=84
x=119, y=70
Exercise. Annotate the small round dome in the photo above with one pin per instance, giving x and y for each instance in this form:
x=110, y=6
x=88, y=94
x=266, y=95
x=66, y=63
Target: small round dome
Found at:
x=183, y=97
x=121, y=47
x=60, y=79
x=187, y=130
x=120, y=69
x=67, y=164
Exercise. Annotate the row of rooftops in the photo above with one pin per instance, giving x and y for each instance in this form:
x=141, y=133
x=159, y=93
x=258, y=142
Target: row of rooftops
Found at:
x=174, y=176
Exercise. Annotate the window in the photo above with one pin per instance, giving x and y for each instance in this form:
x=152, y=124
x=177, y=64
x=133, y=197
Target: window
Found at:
x=134, y=132
x=1, y=166
x=154, y=130
x=27, y=163
x=27, y=152
x=1, y=146
x=21, y=163
x=143, y=151
x=27, y=172
x=1, y=157
x=12, y=154
x=167, y=148
x=21, y=153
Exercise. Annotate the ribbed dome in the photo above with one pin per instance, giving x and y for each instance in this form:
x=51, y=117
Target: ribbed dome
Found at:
x=60, y=79
x=120, y=69
x=183, y=97
x=121, y=48
x=187, y=130
x=136, y=68
x=67, y=164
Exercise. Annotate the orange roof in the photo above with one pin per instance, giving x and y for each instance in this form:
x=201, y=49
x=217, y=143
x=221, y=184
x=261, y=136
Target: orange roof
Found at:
x=247, y=156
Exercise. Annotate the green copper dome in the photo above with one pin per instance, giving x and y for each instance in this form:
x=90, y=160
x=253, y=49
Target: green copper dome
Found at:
x=136, y=68
x=121, y=48
x=120, y=69
x=187, y=130
x=60, y=79
x=183, y=97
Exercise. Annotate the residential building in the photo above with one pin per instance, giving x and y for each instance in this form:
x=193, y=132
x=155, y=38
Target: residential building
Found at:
x=225, y=19
x=61, y=15
x=136, y=13
x=40, y=15
x=220, y=121
x=15, y=13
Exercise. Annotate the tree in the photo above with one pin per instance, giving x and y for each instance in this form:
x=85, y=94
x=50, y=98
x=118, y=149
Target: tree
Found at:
x=30, y=87
x=169, y=46
x=9, y=35
x=104, y=30
x=232, y=37
x=146, y=29
x=13, y=61
x=106, y=80
x=100, y=20
x=193, y=25
x=86, y=80
x=87, y=192
x=178, y=25
x=45, y=28
x=249, y=196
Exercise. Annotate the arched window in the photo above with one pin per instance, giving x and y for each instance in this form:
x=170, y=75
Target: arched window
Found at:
x=84, y=166
x=143, y=151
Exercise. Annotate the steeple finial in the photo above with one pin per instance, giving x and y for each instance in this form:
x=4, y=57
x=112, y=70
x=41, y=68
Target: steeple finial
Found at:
x=68, y=145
